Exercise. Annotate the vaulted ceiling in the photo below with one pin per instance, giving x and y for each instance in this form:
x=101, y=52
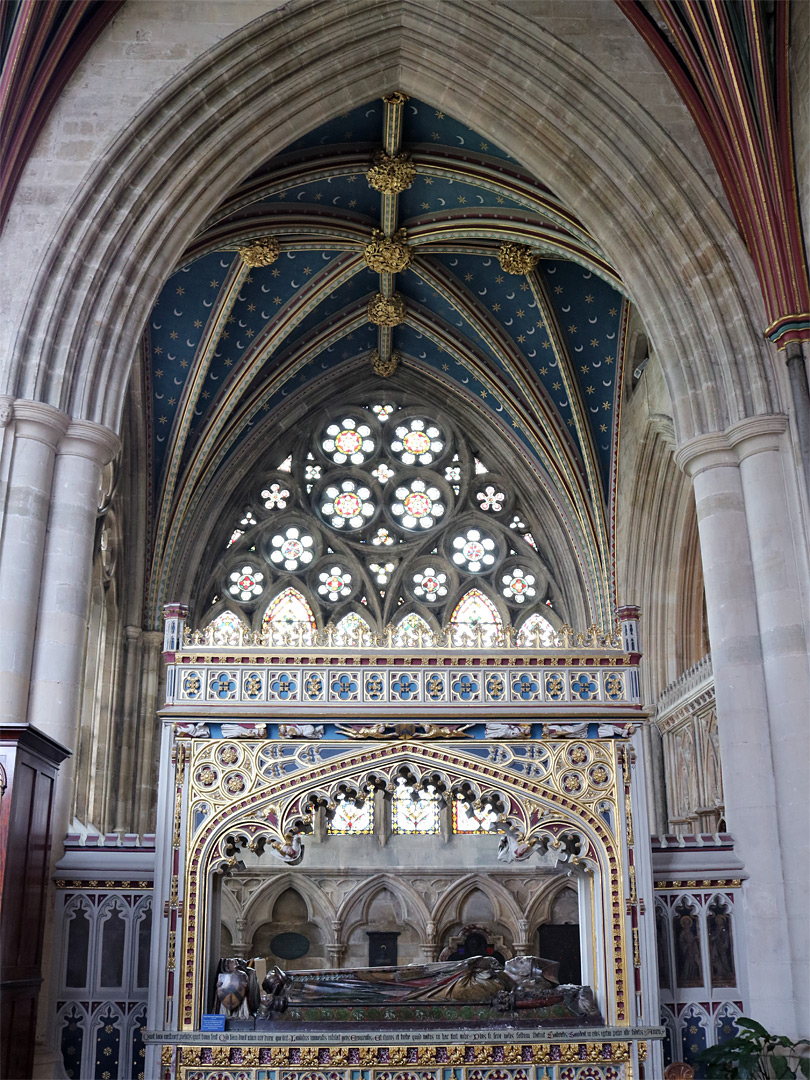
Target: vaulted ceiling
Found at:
x=498, y=295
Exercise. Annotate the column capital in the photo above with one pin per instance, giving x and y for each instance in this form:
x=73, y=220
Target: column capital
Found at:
x=86, y=439
x=719, y=449
x=38, y=421
x=757, y=434
x=710, y=451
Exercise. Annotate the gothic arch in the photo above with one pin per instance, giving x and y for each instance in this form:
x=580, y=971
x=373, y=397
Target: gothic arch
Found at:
x=448, y=910
x=594, y=145
x=319, y=908
x=356, y=905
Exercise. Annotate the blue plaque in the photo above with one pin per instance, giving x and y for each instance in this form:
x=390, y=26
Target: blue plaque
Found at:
x=213, y=1022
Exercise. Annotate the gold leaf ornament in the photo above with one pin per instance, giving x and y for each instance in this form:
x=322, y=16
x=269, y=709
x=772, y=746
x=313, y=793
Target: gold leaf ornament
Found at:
x=384, y=366
x=386, y=310
x=391, y=174
x=517, y=258
x=387, y=254
x=260, y=252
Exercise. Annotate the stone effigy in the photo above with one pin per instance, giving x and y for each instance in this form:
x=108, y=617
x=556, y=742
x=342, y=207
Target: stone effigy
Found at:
x=523, y=983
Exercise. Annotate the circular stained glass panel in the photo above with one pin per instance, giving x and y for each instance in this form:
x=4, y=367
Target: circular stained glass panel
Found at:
x=347, y=504
x=417, y=504
x=349, y=440
x=417, y=441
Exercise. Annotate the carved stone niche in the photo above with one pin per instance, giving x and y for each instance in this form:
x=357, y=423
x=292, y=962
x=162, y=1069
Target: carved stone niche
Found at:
x=496, y=945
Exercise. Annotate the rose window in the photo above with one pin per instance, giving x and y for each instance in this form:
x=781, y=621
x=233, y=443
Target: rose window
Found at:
x=275, y=497
x=246, y=583
x=489, y=498
x=335, y=583
x=350, y=440
x=292, y=548
x=417, y=504
x=474, y=550
x=518, y=585
x=348, y=502
x=417, y=442
x=430, y=584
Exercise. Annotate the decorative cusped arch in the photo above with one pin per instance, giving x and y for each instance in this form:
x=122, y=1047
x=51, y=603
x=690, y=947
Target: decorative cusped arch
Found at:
x=553, y=807
x=597, y=148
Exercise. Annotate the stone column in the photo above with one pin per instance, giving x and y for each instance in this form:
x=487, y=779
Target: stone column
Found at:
x=37, y=430
x=58, y=661
x=743, y=718
x=785, y=660
x=127, y=734
x=148, y=730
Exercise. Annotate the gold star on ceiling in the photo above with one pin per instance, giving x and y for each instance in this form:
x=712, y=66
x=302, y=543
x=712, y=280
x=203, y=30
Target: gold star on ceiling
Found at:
x=214, y=285
x=198, y=323
x=184, y=363
x=181, y=291
x=595, y=342
x=558, y=289
x=572, y=329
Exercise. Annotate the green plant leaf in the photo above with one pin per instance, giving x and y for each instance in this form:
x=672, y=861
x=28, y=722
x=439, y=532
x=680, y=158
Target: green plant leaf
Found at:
x=747, y=1066
x=804, y=1065
x=756, y=1028
x=780, y=1067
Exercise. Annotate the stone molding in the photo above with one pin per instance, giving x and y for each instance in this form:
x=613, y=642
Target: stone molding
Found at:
x=86, y=439
x=686, y=686
x=40, y=422
x=726, y=449
x=101, y=271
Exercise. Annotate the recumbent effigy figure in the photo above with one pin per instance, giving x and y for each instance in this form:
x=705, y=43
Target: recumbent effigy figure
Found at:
x=525, y=982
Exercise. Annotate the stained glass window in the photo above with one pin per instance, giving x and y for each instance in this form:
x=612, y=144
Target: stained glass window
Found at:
x=474, y=550
x=293, y=548
x=417, y=441
x=335, y=583
x=466, y=819
x=245, y=583
x=289, y=610
x=475, y=611
x=412, y=632
x=415, y=810
x=352, y=817
x=536, y=633
x=430, y=584
x=350, y=439
x=226, y=629
x=417, y=504
x=352, y=631
x=517, y=585
x=491, y=498
x=276, y=497
x=347, y=503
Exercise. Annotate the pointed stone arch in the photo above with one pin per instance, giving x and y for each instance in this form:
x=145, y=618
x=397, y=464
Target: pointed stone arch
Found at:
x=595, y=146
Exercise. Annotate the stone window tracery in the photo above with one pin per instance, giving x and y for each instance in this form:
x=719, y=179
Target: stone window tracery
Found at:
x=363, y=481
x=415, y=810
